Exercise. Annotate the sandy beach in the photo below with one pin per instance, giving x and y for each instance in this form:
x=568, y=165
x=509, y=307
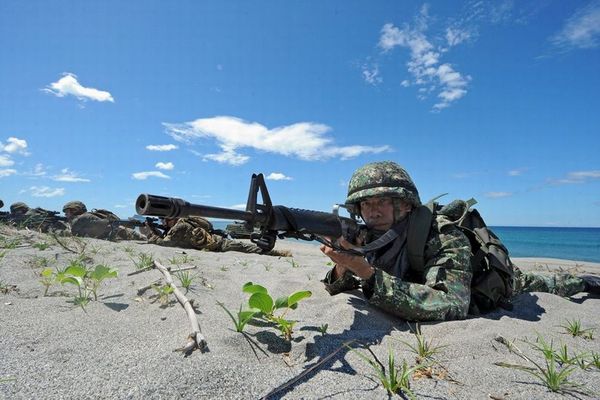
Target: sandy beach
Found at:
x=122, y=345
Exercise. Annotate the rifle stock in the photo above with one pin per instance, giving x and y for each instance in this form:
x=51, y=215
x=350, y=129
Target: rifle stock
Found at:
x=271, y=221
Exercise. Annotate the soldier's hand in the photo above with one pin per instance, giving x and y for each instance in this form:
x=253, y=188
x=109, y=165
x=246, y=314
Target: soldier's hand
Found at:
x=345, y=261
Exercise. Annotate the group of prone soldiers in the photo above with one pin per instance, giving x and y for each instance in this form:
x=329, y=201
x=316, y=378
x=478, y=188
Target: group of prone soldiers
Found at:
x=189, y=232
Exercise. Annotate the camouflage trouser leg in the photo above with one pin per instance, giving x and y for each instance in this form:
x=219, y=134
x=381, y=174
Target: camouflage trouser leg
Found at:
x=561, y=284
x=243, y=247
x=124, y=233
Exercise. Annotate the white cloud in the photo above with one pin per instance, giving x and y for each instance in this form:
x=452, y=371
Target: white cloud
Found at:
x=7, y=172
x=141, y=176
x=121, y=206
x=168, y=166
x=162, y=147
x=371, y=74
x=517, y=171
x=15, y=145
x=577, y=177
x=68, y=176
x=68, y=85
x=497, y=195
x=304, y=140
x=45, y=191
x=5, y=161
x=424, y=65
x=581, y=30
x=455, y=36
x=239, y=206
x=277, y=176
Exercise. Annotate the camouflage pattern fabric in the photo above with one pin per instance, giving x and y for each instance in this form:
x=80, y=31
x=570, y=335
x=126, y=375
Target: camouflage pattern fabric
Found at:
x=441, y=292
x=384, y=178
x=561, y=284
x=190, y=233
x=39, y=220
x=91, y=225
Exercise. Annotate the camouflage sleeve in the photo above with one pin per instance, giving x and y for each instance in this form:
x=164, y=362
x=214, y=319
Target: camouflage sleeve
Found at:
x=348, y=281
x=446, y=289
x=177, y=236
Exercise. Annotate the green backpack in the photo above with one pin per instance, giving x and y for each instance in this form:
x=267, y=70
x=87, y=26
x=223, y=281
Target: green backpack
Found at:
x=493, y=271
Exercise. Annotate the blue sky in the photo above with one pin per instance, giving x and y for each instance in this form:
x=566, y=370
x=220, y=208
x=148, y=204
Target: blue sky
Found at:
x=102, y=101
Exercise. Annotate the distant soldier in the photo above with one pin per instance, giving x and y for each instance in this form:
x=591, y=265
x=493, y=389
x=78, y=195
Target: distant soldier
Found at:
x=197, y=233
x=100, y=224
x=19, y=208
x=39, y=219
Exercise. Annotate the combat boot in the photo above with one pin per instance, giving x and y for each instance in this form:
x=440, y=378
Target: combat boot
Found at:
x=592, y=283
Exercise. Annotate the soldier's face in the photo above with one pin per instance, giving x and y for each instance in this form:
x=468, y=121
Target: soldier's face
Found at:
x=378, y=212
x=71, y=213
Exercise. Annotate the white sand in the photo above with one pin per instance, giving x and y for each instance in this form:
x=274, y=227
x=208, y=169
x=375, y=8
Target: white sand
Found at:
x=122, y=345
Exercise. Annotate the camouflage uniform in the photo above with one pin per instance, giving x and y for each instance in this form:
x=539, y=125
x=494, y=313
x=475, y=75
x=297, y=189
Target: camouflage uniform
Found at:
x=442, y=291
x=98, y=224
x=194, y=232
x=37, y=219
x=561, y=284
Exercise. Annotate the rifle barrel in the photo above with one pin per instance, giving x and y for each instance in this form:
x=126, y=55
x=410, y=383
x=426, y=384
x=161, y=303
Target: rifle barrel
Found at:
x=170, y=207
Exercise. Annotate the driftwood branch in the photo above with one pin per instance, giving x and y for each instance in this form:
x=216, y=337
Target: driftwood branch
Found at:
x=195, y=340
x=139, y=271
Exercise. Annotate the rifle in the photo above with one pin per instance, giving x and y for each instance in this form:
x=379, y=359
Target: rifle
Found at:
x=132, y=223
x=271, y=221
x=35, y=220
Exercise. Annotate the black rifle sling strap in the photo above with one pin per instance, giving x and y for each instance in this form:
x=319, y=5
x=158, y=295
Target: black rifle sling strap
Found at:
x=382, y=241
x=419, y=224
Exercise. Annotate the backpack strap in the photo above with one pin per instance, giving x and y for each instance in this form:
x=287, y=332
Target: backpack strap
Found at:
x=419, y=224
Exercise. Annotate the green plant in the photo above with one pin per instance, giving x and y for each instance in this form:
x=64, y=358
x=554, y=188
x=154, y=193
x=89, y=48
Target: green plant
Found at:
x=100, y=273
x=163, y=292
x=2, y=254
x=144, y=261
x=552, y=375
x=185, y=279
x=574, y=328
x=562, y=356
x=595, y=360
x=87, y=281
x=293, y=262
x=48, y=278
x=6, y=288
x=243, y=317
x=262, y=301
x=41, y=246
x=224, y=268
x=9, y=243
x=129, y=250
x=393, y=379
x=424, y=349
x=323, y=329
x=41, y=262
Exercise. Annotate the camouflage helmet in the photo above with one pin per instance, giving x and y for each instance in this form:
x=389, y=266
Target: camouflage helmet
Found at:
x=383, y=178
x=19, y=206
x=75, y=205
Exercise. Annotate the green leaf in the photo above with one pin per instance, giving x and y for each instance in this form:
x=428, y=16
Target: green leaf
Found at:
x=102, y=272
x=245, y=316
x=262, y=301
x=76, y=270
x=249, y=287
x=46, y=272
x=74, y=280
x=281, y=302
x=296, y=297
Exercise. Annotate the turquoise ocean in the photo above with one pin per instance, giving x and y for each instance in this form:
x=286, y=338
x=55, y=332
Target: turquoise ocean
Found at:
x=580, y=244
